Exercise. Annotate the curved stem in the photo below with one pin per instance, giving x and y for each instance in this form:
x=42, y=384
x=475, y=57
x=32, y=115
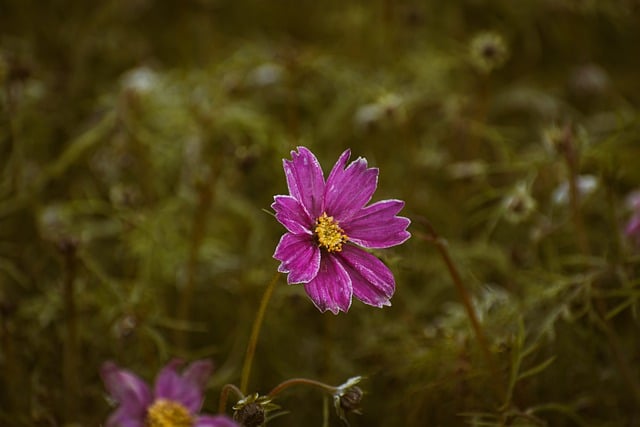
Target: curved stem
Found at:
x=441, y=245
x=224, y=396
x=300, y=381
x=255, y=333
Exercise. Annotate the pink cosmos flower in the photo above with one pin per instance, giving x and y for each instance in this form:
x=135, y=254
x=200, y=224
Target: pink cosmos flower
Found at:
x=175, y=400
x=328, y=224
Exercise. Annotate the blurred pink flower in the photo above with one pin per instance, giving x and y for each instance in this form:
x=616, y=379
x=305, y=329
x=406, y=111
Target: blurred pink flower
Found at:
x=175, y=400
x=632, y=229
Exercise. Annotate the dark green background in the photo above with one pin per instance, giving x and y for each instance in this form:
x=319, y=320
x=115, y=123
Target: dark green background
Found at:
x=141, y=144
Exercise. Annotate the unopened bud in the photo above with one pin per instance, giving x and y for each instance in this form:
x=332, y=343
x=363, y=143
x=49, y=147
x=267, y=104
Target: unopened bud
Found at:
x=252, y=410
x=347, y=398
x=250, y=415
x=350, y=400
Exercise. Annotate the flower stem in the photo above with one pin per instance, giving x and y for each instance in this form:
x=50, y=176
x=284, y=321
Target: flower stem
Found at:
x=301, y=381
x=224, y=396
x=200, y=222
x=572, y=159
x=443, y=249
x=70, y=346
x=255, y=333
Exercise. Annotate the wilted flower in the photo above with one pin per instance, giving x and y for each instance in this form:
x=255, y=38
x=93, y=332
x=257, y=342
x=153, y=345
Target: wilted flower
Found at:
x=488, y=51
x=347, y=398
x=267, y=74
x=586, y=185
x=252, y=411
x=175, y=400
x=589, y=80
x=140, y=80
x=389, y=106
x=325, y=221
x=518, y=204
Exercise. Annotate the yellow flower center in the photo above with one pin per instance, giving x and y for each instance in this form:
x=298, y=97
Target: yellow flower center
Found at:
x=165, y=413
x=329, y=234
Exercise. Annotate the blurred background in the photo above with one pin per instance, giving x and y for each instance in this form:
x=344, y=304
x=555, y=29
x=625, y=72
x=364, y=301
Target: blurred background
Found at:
x=141, y=144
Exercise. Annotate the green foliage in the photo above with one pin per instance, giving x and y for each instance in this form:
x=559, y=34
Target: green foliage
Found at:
x=141, y=145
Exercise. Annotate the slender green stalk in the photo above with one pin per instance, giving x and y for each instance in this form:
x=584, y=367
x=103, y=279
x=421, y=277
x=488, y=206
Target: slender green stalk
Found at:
x=70, y=346
x=572, y=159
x=300, y=381
x=224, y=396
x=200, y=222
x=255, y=333
x=465, y=297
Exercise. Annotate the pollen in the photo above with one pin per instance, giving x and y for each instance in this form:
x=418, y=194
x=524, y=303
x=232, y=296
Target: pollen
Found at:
x=328, y=233
x=166, y=413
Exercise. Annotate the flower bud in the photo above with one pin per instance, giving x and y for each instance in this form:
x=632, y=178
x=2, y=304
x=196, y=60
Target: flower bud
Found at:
x=252, y=411
x=250, y=415
x=347, y=398
x=350, y=400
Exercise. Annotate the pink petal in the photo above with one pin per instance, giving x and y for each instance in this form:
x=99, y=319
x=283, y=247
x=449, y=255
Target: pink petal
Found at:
x=172, y=386
x=305, y=180
x=291, y=214
x=331, y=288
x=299, y=256
x=348, y=190
x=377, y=225
x=372, y=281
x=632, y=230
x=198, y=373
x=132, y=394
x=121, y=419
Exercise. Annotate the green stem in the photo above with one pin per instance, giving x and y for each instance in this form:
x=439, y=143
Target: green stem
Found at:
x=465, y=297
x=574, y=200
x=224, y=396
x=572, y=159
x=70, y=347
x=200, y=222
x=255, y=333
x=301, y=381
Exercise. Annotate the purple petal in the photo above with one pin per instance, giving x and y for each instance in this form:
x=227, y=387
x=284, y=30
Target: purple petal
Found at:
x=372, y=281
x=632, y=230
x=376, y=226
x=215, y=421
x=198, y=373
x=291, y=214
x=339, y=166
x=172, y=386
x=132, y=394
x=305, y=180
x=121, y=418
x=299, y=256
x=633, y=226
x=348, y=190
x=331, y=288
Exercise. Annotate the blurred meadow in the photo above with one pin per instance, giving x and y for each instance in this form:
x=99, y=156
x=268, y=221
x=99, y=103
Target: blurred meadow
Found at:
x=141, y=144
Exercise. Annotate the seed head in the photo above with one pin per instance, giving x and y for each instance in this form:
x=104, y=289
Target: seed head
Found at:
x=488, y=51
